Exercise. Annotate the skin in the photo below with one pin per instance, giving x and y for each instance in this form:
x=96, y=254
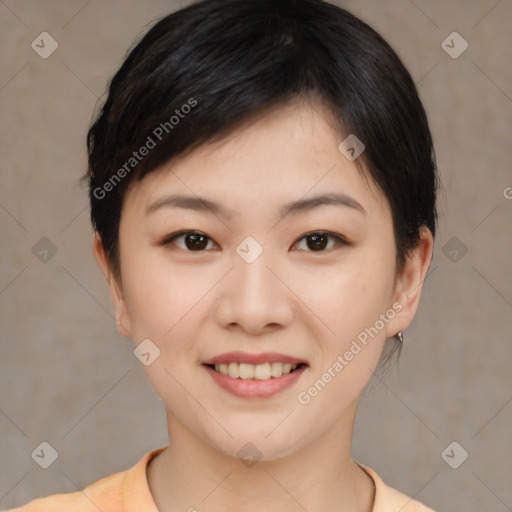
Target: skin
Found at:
x=292, y=299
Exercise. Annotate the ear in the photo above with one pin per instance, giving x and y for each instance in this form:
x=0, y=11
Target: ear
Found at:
x=409, y=285
x=116, y=293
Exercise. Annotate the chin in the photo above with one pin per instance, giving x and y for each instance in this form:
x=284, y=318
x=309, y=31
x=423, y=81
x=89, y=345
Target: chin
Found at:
x=252, y=447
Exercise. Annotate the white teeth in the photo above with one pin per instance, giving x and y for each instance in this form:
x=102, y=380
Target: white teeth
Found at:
x=263, y=371
x=233, y=370
x=245, y=371
x=277, y=369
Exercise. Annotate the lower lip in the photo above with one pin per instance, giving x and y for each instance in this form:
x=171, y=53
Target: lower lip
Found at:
x=254, y=388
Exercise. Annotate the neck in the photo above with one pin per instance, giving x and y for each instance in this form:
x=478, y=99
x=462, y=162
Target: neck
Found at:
x=191, y=474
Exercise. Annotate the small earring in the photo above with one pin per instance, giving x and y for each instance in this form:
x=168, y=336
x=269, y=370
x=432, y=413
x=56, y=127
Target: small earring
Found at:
x=400, y=337
x=118, y=322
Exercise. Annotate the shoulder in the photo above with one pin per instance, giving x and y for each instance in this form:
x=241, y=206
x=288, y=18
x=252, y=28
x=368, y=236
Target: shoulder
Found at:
x=404, y=503
x=127, y=490
x=388, y=499
x=103, y=494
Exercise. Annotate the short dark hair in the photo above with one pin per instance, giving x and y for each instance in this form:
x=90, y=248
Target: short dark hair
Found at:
x=202, y=71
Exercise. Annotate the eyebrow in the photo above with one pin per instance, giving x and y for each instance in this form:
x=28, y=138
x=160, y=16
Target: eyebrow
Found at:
x=205, y=205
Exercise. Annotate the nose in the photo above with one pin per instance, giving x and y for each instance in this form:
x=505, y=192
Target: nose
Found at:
x=254, y=297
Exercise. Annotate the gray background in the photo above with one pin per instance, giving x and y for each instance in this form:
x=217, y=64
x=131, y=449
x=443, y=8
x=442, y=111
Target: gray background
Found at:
x=69, y=379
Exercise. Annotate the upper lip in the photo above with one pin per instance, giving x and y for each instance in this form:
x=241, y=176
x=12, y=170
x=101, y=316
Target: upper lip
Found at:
x=245, y=357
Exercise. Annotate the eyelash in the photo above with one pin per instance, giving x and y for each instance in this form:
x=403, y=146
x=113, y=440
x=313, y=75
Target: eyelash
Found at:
x=339, y=239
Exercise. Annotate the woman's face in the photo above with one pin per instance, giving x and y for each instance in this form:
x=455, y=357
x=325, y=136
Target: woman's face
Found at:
x=258, y=280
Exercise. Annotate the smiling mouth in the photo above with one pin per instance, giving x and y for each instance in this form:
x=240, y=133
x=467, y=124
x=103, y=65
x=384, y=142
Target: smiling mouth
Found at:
x=265, y=371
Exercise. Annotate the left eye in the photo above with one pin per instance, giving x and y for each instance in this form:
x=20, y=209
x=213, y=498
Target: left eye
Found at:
x=319, y=240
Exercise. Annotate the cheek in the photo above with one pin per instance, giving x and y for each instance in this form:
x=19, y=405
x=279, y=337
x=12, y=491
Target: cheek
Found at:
x=347, y=298
x=164, y=307
x=348, y=343
x=168, y=304
x=158, y=295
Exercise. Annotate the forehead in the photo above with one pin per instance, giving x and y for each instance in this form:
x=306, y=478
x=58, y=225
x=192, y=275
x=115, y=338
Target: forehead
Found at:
x=287, y=152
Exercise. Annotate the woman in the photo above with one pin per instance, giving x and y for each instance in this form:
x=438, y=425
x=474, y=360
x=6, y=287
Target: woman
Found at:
x=262, y=185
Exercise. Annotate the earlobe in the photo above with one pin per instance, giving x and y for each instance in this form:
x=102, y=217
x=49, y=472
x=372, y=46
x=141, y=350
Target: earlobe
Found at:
x=410, y=284
x=123, y=323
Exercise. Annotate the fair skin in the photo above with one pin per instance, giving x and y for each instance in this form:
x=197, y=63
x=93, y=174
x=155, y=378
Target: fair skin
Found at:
x=292, y=299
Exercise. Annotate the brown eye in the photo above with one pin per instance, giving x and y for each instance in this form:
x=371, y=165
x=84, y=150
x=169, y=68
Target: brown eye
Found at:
x=319, y=240
x=196, y=242
x=190, y=241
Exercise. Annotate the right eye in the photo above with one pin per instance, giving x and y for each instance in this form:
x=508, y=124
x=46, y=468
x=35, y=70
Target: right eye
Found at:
x=192, y=241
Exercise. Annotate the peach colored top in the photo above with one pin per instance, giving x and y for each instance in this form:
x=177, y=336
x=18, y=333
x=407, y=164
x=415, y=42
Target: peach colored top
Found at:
x=128, y=491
